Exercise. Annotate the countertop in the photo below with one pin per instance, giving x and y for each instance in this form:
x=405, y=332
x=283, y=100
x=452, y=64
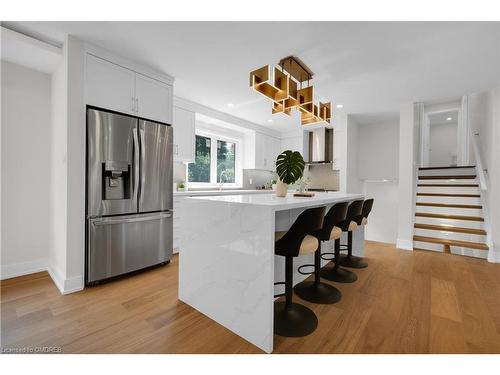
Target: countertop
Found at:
x=285, y=203
x=221, y=192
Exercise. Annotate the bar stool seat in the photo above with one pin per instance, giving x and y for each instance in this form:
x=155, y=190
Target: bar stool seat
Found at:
x=336, y=233
x=308, y=245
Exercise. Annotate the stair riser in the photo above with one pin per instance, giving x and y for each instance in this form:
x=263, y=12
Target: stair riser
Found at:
x=448, y=189
x=428, y=246
x=449, y=200
x=450, y=211
x=448, y=172
x=469, y=252
x=450, y=235
x=448, y=181
x=457, y=223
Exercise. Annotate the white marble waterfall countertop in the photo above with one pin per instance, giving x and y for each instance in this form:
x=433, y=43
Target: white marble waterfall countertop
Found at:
x=221, y=192
x=285, y=203
x=227, y=266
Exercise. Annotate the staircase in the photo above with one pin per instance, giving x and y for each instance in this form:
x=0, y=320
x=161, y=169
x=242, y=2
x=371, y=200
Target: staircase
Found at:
x=448, y=212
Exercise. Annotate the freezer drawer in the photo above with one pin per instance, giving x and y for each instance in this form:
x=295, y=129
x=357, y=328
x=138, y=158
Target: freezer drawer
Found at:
x=121, y=244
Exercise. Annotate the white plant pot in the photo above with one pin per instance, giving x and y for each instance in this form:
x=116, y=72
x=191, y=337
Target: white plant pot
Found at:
x=281, y=189
x=273, y=186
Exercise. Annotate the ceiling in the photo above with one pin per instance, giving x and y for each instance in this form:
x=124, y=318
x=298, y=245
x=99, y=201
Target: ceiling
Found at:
x=367, y=66
x=442, y=118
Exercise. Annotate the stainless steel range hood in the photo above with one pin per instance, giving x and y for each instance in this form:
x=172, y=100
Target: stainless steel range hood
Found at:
x=320, y=146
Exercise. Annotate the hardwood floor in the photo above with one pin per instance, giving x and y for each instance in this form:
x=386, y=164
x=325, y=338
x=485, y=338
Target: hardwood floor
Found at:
x=404, y=302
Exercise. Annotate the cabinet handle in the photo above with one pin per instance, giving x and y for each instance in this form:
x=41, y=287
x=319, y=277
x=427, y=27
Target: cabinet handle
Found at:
x=137, y=105
x=132, y=104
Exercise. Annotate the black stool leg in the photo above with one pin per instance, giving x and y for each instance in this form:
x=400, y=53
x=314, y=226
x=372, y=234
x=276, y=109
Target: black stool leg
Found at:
x=350, y=260
x=292, y=319
x=316, y=291
x=337, y=273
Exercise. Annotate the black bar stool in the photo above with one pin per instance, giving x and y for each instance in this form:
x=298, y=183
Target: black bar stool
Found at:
x=348, y=224
x=293, y=319
x=350, y=260
x=316, y=291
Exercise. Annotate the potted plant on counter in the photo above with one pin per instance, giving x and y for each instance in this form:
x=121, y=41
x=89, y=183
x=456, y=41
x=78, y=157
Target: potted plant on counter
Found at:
x=289, y=167
x=181, y=186
x=273, y=184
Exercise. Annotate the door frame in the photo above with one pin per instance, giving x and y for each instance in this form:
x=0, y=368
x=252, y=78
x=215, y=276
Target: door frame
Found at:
x=462, y=133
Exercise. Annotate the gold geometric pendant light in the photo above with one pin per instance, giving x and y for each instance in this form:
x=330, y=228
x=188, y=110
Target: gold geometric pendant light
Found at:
x=284, y=86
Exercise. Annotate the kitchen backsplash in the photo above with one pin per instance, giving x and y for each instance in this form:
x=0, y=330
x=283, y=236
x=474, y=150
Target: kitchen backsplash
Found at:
x=322, y=176
x=253, y=178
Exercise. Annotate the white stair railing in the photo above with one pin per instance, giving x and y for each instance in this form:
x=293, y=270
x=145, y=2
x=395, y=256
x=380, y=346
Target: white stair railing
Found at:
x=482, y=174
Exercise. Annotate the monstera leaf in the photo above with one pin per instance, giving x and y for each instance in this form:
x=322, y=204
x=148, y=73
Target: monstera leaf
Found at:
x=290, y=166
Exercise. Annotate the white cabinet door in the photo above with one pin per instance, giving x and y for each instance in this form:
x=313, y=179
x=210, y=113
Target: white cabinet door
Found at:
x=109, y=86
x=260, y=148
x=273, y=150
x=294, y=144
x=154, y=99
x=184, y=135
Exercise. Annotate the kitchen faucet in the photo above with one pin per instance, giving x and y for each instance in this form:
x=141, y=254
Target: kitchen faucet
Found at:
x=222, y=173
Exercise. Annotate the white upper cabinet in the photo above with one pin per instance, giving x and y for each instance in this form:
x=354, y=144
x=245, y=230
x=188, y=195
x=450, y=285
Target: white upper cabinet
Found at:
x=154, y=99
x=184, y=135
x=112, y=86
x=293, y=144
x=109, y=85
x=266, y=151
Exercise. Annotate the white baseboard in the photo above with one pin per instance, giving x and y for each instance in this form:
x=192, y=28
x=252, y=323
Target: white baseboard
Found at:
x=493, y=256
x=25, y=268
x=404, y=244
x=66, y=286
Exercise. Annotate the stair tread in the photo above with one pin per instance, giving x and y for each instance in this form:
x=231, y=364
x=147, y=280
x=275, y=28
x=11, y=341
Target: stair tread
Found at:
x=447, y=216
x=455, y=177
x=457, y=167
x=449, y=185
x=449, y=195
x=449, y=205
x=443, y=241
x=450, y=228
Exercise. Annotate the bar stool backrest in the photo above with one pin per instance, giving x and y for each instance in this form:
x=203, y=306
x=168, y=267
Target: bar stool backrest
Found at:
x=308, y=222
x=365, y=211
x=335, y=215
x=353, y=213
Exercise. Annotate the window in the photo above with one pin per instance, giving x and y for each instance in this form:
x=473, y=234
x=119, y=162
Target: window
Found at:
x=199, y=171
x=225, y=161
x=217, y=160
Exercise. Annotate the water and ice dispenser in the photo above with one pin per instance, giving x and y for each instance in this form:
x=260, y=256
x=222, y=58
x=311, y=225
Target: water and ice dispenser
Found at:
x=116, y=180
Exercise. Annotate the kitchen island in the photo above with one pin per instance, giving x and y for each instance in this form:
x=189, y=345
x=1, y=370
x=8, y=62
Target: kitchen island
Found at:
x=227, y=266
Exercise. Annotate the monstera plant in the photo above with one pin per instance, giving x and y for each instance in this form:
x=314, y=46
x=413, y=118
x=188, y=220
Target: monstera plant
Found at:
x=290, y=168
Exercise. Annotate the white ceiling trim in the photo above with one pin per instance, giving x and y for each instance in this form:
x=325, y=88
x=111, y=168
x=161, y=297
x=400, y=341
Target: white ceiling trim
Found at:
x=29, y=52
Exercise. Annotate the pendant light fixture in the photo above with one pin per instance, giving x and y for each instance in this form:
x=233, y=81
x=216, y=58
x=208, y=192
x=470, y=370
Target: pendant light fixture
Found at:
x=288, y=87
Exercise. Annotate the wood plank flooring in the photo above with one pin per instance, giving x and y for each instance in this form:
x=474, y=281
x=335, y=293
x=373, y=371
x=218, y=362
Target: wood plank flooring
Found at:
x=404, y=302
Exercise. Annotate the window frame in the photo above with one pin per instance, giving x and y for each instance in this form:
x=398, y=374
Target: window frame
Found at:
x=238, y=169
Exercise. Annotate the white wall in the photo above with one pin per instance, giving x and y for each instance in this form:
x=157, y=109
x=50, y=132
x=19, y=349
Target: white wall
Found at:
x=25, y=169
x=383, y=220
x=408, y=155
x=379, y=151
x=67, y=230
x=379, y=169
x=353, y=182
x=443, y=144
x=484, y=117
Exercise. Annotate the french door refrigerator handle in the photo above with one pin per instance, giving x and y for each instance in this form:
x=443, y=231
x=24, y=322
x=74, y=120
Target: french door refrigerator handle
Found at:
x=143, y=157
x=163, y=215
x=136, y=165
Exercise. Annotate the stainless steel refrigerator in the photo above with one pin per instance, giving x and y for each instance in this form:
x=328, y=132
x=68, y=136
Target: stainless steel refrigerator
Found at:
x=129, y=194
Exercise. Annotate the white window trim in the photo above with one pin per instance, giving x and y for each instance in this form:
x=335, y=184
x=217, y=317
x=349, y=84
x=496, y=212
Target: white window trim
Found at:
x=238, y=162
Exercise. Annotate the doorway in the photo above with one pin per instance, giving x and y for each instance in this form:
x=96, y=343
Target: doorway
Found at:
x=443, y=137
